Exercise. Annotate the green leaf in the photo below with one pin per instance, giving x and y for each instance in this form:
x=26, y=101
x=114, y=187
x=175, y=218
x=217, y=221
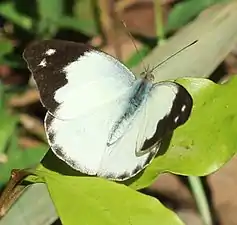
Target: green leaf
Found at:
x=96, y=201
x=19, y=158
x=50, y=13
x=50, y=10
x=8, y=124
x=185, y=11
x=13, y=61
x=206, y=141
x=85, y=15
x=8, y=10
x=6, y=47
x=76, y=24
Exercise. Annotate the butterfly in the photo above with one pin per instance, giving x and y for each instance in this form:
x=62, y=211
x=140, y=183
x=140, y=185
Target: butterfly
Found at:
x=101, y=120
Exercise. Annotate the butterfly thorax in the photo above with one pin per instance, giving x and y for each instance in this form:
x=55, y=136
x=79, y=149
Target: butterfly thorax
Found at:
x=138, y=96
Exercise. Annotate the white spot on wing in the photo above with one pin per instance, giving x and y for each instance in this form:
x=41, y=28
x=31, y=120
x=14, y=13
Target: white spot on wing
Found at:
x=183, y=108
x=50, y=52
x=43, y=63
x=176, y=119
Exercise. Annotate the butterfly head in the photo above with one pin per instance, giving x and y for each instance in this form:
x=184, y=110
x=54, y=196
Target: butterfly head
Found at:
x=147, y=75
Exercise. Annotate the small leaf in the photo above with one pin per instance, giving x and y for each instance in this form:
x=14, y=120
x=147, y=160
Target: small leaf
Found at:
x=13, y=61
x=8, y=10
x=50, y=13
x=8, y=124
x=97, y=201
x=50, y=10
x=76, y=24
x=84, y=13
x=6, y=47
x=20, y=158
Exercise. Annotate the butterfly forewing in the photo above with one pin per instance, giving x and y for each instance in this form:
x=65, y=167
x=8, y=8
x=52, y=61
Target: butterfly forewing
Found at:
x=74, y=78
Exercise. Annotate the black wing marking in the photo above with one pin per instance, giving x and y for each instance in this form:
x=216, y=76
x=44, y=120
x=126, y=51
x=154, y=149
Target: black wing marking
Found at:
x=46, y=60
x=179, y=114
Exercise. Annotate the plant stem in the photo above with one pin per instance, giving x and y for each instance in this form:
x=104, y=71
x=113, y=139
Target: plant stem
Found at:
x=108, y=23
x=201, y=199
x=160, y=31
x=8, y=193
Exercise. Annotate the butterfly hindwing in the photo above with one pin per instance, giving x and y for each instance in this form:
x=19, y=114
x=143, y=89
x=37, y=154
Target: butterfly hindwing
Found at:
x=169, y=106
x=82, y=143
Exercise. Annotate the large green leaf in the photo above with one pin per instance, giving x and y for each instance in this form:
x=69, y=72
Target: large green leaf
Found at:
x=90, y=200
x=201, y=146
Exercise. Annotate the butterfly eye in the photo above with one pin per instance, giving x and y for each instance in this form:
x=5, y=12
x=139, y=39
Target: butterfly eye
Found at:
x=143, y=74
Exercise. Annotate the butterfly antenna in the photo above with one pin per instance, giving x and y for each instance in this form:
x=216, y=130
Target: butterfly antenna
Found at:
x=132, y=39
x=174, y=54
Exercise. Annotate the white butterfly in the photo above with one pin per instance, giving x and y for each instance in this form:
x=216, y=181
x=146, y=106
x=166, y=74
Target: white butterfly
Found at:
x=101, y=120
